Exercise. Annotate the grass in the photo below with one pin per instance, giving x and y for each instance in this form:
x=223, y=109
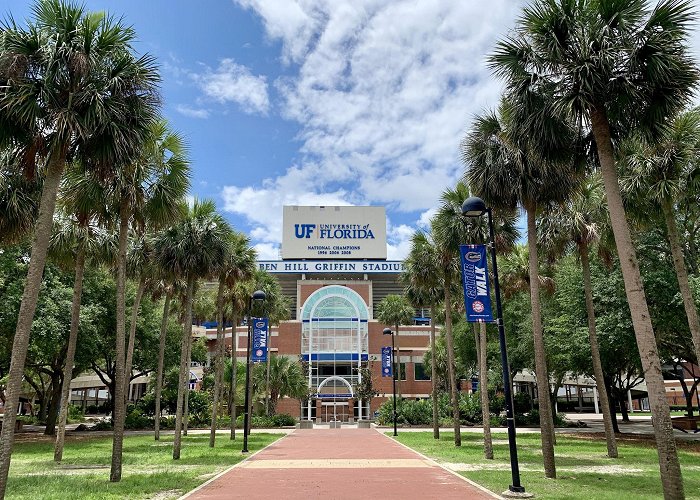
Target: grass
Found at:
x=583, y=470
x=148, y=468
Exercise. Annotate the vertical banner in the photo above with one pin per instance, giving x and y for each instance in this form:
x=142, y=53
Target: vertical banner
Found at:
x=475, y=281
x=259, y=351
x=387, y=368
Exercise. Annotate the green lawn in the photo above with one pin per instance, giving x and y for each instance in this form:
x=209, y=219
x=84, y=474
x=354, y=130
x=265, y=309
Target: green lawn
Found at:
x=149, y=470
x=583, y=470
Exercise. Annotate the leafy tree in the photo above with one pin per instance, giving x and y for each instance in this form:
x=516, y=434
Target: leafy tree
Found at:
x=54, y=108
x=615, y=65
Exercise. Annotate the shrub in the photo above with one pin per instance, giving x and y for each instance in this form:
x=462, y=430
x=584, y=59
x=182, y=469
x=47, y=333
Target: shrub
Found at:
x=103, y=425
x=469, y=408
x=75, y=414
x=522, y=403
x=135, y=419
x=283, y=420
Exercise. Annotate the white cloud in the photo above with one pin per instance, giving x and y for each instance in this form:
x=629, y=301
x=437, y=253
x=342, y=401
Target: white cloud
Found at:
x=383, y=93
x=232, y=82
x=192, y=112
x=267, y=251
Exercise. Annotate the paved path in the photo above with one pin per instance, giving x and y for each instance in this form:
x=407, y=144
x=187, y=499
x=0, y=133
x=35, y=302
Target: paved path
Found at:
x=338, y=464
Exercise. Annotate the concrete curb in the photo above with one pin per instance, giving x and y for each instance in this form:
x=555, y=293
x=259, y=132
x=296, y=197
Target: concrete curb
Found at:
x=438, y=464
x=211, y=480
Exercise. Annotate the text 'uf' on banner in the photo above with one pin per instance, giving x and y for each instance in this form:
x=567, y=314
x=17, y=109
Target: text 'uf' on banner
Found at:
x=259, y=352
x=475, y=281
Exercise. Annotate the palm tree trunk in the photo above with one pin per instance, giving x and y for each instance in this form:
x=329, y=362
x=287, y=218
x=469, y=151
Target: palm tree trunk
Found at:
x=671, y=478
x=546, y=422
x=267, y=381
x=119, y=409
x=451, y=368
x=484, y=392
x=595, y=352
x=682, y=274
x=232, y=388
x=161, y=360
x=70, y=352
x=32, y=284
x=433, y=376
x=132, y=337
x=184, y=369
x=186, y=409
x=398, y=364
x=218, y=362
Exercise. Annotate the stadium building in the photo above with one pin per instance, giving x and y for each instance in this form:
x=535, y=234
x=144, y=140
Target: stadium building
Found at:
x=334, y=271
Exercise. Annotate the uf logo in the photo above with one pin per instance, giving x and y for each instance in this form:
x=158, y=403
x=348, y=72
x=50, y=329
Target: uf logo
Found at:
x=303, y=230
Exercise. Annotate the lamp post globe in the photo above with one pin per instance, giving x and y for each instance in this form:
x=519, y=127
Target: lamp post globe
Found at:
x=257, y=296
x=473, y=207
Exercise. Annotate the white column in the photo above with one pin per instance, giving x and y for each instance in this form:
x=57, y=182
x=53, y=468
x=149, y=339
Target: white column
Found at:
x=629, y=400
x=595, y=400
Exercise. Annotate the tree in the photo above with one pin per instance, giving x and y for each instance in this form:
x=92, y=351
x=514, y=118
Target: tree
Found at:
x=54, y=107
x=19, y=200
x=285, y=379
x=239, y=264
x=192, y=248
x=509, y=165
x=79, y=237
x=579, y=222
x=656, y=177
x=423, y=287
x=615, y=65
x=395, y=310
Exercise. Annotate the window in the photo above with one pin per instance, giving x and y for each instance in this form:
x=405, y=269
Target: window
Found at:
x=403, y=371
x=419, y=372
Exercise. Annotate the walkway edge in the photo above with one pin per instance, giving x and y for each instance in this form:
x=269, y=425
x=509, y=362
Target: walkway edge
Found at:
x=229, y=469
x=435, y=462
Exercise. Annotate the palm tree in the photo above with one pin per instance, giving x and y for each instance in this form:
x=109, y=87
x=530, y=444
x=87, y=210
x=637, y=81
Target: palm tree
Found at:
x=238, y=266
x=285, y=379
x=79, y=237
x=192, y=248
x=659, y=175
x=616, y=66
x=71, y=86
x=507, y=166
x=395, y=310
x=580, y=222
x=423, y=287
x=19, y=200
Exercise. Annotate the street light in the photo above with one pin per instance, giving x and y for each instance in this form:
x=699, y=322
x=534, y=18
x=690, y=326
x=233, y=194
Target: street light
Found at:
x=258, y=296
x=387, y=331
x=475, y=207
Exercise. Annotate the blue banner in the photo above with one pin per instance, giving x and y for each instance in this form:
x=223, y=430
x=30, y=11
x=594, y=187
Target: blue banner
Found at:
x=475, y=281
x=259, y=352
x=387, y=368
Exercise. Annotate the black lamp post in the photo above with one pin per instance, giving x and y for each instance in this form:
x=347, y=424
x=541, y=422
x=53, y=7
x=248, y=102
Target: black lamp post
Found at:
x=258, y=296
x=387, y=331
x=475, y=207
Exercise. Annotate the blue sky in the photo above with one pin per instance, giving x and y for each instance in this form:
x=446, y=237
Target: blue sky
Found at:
x=316, y=102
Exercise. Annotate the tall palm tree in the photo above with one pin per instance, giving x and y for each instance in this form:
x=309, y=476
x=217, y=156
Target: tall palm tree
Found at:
x=238, y=266
x=79, y=237
x=192, y=248
x=580, y=222
x=395, y=310
x=285, y=379
x=449, y=230
x=423, y=287
x=659, y=175
x=616, y=65
x=67, y=79
x=507, y=166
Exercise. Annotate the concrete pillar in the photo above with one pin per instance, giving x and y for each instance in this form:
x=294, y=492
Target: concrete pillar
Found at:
x=595, y=400
x=629, y=401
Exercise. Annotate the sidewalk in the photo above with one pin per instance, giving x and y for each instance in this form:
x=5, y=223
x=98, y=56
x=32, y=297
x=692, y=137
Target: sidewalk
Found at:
x=338, y=464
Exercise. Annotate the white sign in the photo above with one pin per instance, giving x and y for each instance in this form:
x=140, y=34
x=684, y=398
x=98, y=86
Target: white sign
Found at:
x=331, y=266
x=334, y=233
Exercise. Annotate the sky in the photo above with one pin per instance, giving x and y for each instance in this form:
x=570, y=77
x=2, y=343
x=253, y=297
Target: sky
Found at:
x=320, y=102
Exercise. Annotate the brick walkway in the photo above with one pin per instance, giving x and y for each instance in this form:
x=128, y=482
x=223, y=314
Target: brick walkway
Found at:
x=338, y=464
